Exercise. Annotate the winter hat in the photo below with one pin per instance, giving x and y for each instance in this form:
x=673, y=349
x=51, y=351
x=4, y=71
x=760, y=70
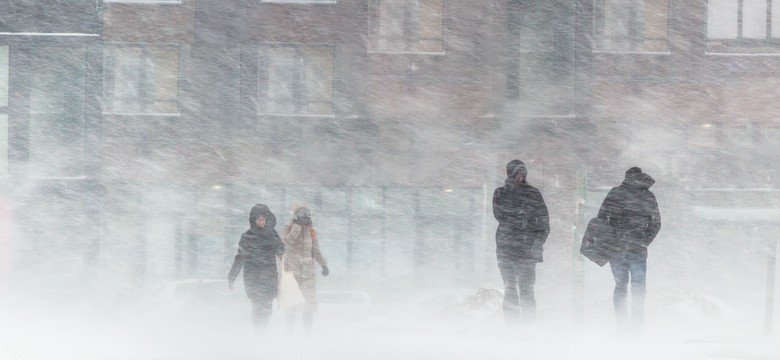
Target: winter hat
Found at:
x=511, y=166
x=514, y=166
x=520, y=170
x=633, y=172
x=302, y=216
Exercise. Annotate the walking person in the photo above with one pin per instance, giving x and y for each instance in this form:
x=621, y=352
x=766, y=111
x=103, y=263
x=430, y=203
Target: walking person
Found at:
x=257, y=251
x=632, y=210
x=523, y=226
x=302, y=250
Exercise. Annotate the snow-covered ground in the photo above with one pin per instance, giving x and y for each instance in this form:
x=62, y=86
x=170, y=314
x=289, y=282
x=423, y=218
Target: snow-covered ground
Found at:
x=435, y=324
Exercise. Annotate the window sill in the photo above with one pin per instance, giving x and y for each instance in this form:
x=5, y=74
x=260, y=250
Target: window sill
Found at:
x=390, y=52
x=298, y=115
x=617, y=52
x=306, y=2
x=746, y=54
x=55, y=177
x=153, y=2
x=141, y=114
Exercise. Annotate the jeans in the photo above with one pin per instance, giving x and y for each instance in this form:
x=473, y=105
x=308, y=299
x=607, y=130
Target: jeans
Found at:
x=519, y=277
x=624, y=270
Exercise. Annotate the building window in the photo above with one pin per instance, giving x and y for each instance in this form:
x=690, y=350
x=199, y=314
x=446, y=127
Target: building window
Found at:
x=749, y=20
x=3, y=110
x=406, y=25
x=631, y=25
x=540, y=79
x=144, y=1
x=141, y=79
x=56, y=77
x=295, y=80
x=300, y=1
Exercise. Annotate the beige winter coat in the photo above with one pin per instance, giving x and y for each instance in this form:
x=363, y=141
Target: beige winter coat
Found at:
x=300, y=252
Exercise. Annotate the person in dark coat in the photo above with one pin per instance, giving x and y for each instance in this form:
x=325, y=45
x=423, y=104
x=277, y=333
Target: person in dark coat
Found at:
x=257, y=251
x=523, y=226
x=632, y=210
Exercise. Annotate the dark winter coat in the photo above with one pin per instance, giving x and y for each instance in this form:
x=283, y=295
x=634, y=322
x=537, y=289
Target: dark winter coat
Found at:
x=523, y=221
x=257, y=251
x=632, y=210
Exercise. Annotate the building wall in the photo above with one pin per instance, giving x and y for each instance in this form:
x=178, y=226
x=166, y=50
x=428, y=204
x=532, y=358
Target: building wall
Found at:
x=420, y=127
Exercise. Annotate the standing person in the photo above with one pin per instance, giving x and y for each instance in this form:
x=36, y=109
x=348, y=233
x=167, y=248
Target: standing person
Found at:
x=632, y=210
x=301, y=251
x=257, y=251
x=523, y=226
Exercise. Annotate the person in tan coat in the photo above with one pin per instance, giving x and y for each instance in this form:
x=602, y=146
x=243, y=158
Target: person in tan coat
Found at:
x=301, y=252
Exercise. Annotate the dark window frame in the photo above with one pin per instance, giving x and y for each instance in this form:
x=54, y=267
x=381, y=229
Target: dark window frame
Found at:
x=300, y=101
x=410, y=38
x=741, y=41
x=635, y=39
x=145, y=101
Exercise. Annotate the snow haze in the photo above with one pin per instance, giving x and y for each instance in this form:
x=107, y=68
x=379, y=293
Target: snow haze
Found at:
x=135, y=137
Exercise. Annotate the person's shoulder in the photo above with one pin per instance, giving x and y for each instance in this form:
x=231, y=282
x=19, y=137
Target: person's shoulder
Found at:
x=532, y=189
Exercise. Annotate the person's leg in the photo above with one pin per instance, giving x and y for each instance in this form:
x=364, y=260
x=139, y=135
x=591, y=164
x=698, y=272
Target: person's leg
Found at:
x=620, y=295
x=290, y=313
x=638, y=270
x=511, y=306
x=261, y=313
x=527, y=281
x=308, y=320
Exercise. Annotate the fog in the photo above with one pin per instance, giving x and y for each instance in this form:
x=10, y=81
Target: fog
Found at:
x=135, y=137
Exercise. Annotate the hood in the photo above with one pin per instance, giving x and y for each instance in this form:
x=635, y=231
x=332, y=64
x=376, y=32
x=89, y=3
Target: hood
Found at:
x=639, y=181
x=262, y=210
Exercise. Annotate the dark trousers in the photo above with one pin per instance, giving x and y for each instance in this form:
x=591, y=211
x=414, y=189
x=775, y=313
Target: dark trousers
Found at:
x=519, y=277
x=261, y=313
x=627, y=269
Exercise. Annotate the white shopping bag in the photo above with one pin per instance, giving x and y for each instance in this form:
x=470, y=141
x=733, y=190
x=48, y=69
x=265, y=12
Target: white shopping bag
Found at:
x=289, y=294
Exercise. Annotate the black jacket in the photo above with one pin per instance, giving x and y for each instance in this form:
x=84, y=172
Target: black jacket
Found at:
x=257, y=251
x=633, y=212
x=523, y=221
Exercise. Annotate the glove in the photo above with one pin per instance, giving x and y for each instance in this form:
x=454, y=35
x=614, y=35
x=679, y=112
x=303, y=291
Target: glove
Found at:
x=325, y=271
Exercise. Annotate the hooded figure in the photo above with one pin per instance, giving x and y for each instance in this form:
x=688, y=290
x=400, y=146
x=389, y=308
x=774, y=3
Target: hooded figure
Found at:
x=257, y=251
x=302, y=250
x=632, y=210
x=523, y=226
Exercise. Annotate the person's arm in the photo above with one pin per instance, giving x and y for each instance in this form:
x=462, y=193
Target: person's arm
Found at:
x=238, y=262
x=292, y=236
x=278, y=245
x=542, y=218
x=655, y=221
x=608, y=206
x=499, y=211
x=317, y=254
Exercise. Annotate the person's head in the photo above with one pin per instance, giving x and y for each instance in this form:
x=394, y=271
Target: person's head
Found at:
x=512, y=166
x=633, y=172
x=519, y=171
x=302, y=216
x=261, y=216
